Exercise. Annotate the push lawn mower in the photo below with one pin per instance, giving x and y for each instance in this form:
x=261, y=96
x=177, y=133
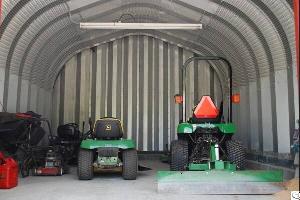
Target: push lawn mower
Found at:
x=53, y=164
x=62, y=150
x=104, y=148
x=206, y=155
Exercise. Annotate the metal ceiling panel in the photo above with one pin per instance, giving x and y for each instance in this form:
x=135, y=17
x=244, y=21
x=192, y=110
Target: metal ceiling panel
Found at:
x=256, y=60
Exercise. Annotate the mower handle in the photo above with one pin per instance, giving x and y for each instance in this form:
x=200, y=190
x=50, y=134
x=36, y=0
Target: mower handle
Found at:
x=184, y=67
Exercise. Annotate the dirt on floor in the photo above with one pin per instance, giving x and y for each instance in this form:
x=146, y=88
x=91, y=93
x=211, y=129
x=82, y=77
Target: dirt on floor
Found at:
x=291, y=185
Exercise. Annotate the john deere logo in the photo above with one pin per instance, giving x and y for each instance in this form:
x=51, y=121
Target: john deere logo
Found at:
x=108, y=127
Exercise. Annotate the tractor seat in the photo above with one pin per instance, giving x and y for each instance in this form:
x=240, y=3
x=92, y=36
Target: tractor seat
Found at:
x=207, y=112
x=108, y=129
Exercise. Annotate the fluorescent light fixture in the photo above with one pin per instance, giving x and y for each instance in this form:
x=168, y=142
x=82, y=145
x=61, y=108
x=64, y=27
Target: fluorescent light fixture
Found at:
x=141, y=26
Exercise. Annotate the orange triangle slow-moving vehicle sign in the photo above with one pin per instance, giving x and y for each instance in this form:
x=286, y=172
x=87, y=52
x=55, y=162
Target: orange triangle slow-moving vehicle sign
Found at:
x=206, y=108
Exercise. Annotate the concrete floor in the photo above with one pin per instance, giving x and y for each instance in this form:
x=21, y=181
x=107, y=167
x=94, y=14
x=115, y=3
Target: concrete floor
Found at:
x=104, y=186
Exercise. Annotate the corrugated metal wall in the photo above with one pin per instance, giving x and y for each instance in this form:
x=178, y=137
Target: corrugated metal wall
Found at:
x=133, y=79
x=32, y=96
x=258, y=37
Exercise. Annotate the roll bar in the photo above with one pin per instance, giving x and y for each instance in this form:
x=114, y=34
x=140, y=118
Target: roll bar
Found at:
x=208, y=58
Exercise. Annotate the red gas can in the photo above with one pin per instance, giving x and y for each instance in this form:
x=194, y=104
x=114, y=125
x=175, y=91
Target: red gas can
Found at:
x=8, y=172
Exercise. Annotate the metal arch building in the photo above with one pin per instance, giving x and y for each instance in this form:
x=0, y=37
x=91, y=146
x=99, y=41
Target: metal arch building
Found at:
x=49, y=65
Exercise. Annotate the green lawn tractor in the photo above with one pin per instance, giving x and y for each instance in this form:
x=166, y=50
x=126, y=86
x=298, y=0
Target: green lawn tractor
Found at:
x=103, y=148
x=205, y=140
x=206, y=159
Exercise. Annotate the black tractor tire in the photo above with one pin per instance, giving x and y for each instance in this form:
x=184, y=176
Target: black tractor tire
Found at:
x=179, y=155
x=85, y=164
x=130, y=164
x=236, y=153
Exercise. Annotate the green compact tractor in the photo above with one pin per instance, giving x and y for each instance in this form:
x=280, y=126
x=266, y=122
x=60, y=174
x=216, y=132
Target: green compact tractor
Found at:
x=205, y=140
x=104, y=148
x=206, y=159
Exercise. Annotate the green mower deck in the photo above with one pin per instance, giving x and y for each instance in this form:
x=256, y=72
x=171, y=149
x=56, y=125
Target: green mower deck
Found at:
x=220, y=182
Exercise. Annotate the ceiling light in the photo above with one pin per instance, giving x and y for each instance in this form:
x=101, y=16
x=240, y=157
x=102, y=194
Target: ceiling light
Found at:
x=120, y=25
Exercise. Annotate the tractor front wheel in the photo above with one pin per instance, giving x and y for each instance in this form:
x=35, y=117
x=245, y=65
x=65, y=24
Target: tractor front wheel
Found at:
x=236, y=153
x=130, y=165
x=179, y=155
x=85, y=164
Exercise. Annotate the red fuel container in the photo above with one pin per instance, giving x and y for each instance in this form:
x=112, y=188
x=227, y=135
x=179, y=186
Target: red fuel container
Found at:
x=8, y=172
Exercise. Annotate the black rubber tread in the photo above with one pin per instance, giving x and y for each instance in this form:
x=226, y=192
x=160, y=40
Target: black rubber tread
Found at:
x=179, y=155
x=130, y=164
x=85, y=164
x=66, y=168
x=20, y=154
x=24, y=168
x=22, y=162
x=236, y=153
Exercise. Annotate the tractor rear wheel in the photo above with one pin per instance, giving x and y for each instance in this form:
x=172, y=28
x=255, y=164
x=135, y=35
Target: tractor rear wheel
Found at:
x=236, y=153
x=130, y=165
x=85, y=164
x=179, y=155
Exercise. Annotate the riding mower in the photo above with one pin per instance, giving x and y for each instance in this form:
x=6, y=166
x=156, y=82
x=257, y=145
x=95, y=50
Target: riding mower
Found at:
x=206, y=159
x=104, y=148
